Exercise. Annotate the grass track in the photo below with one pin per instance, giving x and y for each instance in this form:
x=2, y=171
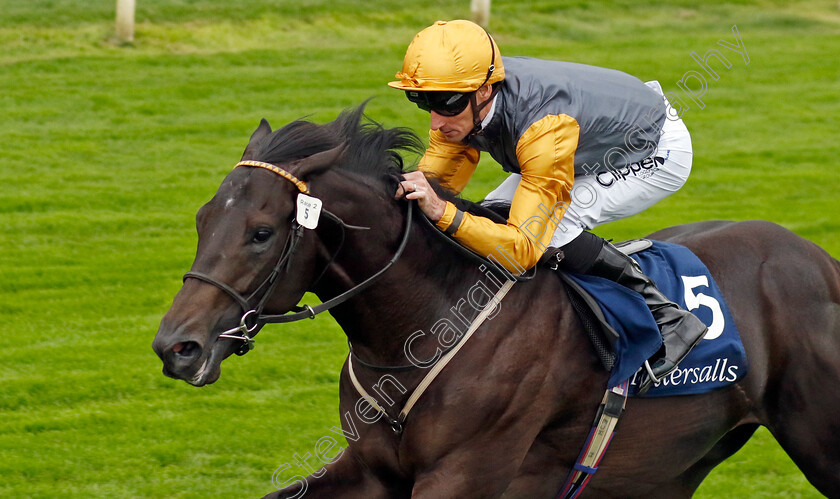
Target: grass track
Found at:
x=109, y=150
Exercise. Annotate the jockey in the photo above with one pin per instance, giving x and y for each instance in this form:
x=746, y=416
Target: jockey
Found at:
x=584, y=146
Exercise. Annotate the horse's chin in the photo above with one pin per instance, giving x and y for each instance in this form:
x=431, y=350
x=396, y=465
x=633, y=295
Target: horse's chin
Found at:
x=211, y=369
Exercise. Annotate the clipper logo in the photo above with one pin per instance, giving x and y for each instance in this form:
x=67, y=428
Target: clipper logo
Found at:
x=642, y=169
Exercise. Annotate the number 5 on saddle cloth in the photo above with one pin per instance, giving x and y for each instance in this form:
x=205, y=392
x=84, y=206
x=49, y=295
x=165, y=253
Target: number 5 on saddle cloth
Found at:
x=633, y=337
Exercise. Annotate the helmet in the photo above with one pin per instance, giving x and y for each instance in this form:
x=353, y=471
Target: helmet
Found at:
x=452, y=56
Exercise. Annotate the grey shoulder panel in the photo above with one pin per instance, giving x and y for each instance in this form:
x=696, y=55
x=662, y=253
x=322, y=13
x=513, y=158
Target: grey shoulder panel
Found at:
x=620, y=117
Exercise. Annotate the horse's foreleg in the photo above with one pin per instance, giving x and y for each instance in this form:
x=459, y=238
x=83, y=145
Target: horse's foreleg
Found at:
x=461, y=482
x=484, y=470
x=345, y=478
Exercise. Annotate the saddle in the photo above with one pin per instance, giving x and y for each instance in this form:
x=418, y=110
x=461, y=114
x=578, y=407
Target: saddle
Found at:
x=624, y=334
x=598, y=329
x=622, y=349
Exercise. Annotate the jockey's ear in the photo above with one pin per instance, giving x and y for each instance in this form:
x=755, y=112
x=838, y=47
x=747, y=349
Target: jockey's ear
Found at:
x=262, y=131
x=484, y=92
x=317, y=163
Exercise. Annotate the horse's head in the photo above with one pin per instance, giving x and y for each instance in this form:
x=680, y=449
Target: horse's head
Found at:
x=252, y=254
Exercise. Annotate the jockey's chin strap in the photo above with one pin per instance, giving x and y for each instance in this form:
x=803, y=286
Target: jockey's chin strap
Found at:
x=476, y=112
x=474, y=106
x=253, y=319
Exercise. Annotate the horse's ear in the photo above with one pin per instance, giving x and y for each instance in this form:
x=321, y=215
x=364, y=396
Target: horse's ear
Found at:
x=260, y=133
x=317, y=163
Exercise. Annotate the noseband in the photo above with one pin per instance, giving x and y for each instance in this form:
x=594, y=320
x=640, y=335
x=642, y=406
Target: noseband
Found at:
x=252, y=318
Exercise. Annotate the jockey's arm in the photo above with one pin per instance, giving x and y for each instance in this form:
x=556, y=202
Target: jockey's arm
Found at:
x=546, y=158
x=452, y=164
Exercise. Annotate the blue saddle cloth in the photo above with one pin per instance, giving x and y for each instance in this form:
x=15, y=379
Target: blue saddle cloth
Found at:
x=719, y=359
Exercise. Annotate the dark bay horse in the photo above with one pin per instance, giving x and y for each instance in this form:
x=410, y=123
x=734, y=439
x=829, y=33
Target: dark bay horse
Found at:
x=508, y=416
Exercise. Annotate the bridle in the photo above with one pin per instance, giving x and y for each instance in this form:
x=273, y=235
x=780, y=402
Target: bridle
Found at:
x=253, y=319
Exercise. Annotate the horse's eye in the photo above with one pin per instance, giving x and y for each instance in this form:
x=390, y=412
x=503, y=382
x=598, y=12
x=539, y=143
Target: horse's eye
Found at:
x=262, y=235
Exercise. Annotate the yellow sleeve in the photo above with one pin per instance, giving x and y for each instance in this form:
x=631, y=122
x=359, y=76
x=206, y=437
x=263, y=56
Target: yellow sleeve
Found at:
x=546, y=153
x=453, y=164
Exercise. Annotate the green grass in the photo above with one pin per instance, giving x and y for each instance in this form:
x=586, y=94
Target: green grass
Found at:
x=108, y=151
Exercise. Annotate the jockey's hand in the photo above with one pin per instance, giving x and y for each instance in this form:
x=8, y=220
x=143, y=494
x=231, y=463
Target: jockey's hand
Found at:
x=415, y=186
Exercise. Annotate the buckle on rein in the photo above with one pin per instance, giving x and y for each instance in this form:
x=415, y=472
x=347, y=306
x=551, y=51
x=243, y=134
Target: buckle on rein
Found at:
x=553, y=260
x=248, y=342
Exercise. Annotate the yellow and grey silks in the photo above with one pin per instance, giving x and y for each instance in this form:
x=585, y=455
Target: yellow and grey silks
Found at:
x=551, y=121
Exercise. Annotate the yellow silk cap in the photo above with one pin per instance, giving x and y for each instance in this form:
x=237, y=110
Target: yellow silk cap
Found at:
x=450, y=56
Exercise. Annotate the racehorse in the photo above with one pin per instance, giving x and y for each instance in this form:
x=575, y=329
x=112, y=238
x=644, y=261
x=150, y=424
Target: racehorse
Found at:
x=508, y=416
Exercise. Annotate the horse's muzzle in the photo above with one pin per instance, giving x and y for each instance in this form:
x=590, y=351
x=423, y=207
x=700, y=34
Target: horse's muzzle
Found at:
x=180, y=356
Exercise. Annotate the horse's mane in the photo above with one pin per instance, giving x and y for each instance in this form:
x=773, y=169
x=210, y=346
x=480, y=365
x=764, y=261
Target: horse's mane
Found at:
x=371, y=150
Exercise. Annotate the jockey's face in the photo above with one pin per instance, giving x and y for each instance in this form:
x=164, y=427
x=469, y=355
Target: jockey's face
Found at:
x=455, y=128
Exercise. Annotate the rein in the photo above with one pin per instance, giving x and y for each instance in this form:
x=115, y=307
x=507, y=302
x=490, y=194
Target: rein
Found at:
x=252, y=318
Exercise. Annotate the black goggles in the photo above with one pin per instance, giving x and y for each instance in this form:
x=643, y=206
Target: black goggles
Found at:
x=443, y=103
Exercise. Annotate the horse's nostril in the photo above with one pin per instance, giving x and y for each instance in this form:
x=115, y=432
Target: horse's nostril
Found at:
x=185, y=348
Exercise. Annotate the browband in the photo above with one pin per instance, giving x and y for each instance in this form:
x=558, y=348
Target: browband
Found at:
x=300, y=184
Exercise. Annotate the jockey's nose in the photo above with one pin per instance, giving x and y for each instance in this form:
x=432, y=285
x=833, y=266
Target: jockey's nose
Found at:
x=436, y=121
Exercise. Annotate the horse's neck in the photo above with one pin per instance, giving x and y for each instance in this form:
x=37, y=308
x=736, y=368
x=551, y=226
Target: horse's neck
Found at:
x=416, y=293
